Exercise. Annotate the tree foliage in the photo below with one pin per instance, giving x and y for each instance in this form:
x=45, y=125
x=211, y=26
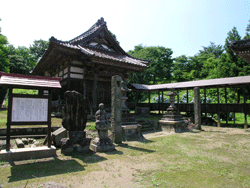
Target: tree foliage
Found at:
x=21, y=60
x=38, y=48
x=159, y=69
x=4, y=61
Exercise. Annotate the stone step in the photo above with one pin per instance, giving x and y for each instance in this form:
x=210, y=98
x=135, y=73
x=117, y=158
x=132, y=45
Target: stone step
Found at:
x=129, y=123
x=145, y=126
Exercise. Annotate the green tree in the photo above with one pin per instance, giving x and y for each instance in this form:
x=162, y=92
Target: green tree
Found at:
x=240, y=67
x=210, y=58
x=37, y=49
x=114, y=36
x=21, y=60
x=181, y=68
x=160, y=67
x=213, y=49
x=4, y=61
x=247, y=36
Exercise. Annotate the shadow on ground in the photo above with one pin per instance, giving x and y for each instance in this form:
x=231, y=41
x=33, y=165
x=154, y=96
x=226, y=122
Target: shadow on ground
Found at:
x=50, y=167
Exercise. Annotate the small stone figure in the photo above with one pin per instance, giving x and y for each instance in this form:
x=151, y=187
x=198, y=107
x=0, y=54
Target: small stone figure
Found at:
x=102, y=125
x=74, y=121
x=102, y=122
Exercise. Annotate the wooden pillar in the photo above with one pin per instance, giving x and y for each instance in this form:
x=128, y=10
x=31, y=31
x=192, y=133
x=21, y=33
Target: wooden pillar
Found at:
x=218, y=105
x=245, y=113
x=234, y=118
x=225, y=88
x=137, y=97
x=159, y=103
x=197, y=108
x=9, y=119
x=205, y=102
x=238, y=95
x=84, y=84
x=94, y=93
x=149, y=101
x=178, y=100
x=178, y=97
x=49, y=118
x=162, y=102
x=237, y=103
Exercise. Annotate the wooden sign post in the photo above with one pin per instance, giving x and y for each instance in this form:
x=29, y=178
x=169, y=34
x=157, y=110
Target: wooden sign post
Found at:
x=25, y=109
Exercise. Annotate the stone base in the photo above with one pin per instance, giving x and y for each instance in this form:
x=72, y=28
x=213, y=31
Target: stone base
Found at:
x=131, y=132
x=102, y=145
x=70, y=147
x=27, y=153
x=173, y=126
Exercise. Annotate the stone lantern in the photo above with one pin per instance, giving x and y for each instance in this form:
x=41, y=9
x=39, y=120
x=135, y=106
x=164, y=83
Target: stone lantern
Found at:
x=172, y=119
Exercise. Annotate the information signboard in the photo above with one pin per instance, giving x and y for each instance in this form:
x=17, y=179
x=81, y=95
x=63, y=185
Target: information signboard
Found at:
x=29, y=110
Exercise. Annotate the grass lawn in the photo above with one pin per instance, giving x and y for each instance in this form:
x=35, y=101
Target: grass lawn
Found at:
x=215, y=157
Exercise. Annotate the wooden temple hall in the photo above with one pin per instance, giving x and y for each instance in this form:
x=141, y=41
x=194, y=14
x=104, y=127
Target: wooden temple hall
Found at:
x=87, y=63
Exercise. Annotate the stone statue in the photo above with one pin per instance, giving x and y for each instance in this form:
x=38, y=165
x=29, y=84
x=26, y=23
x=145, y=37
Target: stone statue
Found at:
x=102, y=122
x=102, y=125
x=74, y=121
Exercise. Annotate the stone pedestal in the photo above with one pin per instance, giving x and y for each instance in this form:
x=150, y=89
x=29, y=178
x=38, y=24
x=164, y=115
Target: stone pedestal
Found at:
x=102, y=145
x=172, y=121
x=77, y=143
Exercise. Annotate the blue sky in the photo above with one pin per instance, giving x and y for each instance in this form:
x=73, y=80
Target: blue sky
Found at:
x=182, y=25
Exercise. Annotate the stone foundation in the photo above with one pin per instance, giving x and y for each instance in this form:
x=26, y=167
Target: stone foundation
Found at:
x=173, y=126
x=102, y=145
x=131, y=132
x=27, y=153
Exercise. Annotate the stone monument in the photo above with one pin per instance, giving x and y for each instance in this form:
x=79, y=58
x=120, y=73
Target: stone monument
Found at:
x=172, y=121
x=74, y=121
x=102, y=125
x=131, y=130
x=116, y=109
x=197, y=108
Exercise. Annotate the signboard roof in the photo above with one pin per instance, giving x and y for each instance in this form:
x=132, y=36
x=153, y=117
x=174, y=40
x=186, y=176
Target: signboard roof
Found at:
x=27, y=81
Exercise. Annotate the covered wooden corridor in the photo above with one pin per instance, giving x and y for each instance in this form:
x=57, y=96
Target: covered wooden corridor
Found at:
x=240, y=84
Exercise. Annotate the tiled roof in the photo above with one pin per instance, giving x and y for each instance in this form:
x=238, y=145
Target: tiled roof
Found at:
x=91, y=30
x=113, y=56
x=242, y=49
x=199, y=83
x=80, y=43
x=240, y=43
